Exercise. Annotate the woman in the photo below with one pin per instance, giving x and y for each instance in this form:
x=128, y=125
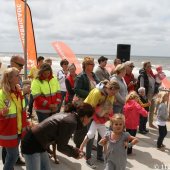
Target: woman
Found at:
x=70, y=83
x=120, y=72
x=103, y=93
x=12, y=116
x=84, y=83
x=86, y=80
x=45, y=90
x=57, y=128
x=146, y=79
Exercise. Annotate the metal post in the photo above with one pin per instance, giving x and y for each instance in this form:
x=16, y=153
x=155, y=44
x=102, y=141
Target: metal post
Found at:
x=25, y=39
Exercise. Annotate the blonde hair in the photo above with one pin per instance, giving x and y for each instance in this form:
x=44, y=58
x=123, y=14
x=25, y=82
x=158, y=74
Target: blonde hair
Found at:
x=116, y=117
x=87, y=60
x=113, y=84
x=133, y=95
x=6, y=80
x=119, y=68
x=104, y=108
x=160, y=97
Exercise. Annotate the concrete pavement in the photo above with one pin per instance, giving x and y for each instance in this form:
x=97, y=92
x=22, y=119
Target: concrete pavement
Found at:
x=145, y=156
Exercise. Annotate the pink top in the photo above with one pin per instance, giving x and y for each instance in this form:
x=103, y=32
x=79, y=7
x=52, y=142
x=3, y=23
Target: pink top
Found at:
x=132, y=110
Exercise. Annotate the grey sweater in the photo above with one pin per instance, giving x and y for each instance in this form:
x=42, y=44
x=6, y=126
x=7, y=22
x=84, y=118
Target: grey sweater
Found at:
x=121, y=95
x=162, y=113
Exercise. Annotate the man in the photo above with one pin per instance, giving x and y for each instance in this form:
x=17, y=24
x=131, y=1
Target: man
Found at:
x=17, y=62
x=115, y=62
x=34, y=70
x=32, y=75
x=101, y=72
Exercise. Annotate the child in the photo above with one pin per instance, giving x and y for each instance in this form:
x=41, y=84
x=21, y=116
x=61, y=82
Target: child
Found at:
x=159, y=76
x=132, y=111
x=115, y=143
x=145, y=104
x=101, y=116
x=162, y=116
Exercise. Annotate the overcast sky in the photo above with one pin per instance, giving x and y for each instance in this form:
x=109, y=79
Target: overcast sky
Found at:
x=92, y=26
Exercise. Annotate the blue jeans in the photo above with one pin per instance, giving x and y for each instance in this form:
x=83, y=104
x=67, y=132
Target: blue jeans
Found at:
x=90, y=145
x=118, y=108
x=11, y=158
x=37, y=161
x=42, y=116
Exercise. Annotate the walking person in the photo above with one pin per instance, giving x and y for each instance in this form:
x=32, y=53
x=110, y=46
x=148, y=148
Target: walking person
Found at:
x=162, y=117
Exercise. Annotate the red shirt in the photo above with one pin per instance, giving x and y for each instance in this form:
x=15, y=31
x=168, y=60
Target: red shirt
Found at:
x=128, y=78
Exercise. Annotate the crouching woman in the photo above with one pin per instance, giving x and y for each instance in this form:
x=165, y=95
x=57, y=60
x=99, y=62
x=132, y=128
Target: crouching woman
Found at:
x=57, y=128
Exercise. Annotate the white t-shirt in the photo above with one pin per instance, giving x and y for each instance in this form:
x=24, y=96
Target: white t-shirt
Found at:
x=61, y=78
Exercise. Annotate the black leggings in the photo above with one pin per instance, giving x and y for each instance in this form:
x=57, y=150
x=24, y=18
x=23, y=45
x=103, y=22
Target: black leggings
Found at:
x=132, y=133
x=162, y=134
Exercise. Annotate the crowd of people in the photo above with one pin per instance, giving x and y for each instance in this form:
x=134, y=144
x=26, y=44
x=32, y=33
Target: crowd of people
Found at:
x=68, y=105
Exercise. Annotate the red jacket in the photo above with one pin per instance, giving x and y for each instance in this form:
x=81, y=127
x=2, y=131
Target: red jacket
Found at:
x=45, y=92
x=132, y=111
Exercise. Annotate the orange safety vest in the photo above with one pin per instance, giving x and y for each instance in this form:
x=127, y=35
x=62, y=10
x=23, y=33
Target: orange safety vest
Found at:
x=8, y=123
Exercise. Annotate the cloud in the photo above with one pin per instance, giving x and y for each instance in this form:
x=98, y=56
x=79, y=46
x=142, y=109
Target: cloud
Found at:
x=92, y=26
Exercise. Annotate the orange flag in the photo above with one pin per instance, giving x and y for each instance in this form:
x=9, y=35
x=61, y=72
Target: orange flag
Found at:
x=31, y=46
x=66, y=53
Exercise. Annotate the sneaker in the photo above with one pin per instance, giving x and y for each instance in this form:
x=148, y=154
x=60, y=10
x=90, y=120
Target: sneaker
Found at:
x=161, y=148
x=146, y=130
x=90, y=163
x=101, y=159
x=20, y=161
x=142, y=132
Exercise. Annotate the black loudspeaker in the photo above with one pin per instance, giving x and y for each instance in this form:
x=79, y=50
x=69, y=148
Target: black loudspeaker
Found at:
x=123, y=52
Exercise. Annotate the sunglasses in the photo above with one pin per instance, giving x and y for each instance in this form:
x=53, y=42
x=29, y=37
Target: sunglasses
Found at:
x=91, y=64
x=20, y=65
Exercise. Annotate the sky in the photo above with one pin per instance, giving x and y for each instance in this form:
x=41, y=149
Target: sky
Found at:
x=92, y=26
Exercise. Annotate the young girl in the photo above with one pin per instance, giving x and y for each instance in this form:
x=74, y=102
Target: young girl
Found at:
x=132, y=112
x=115, y=143
x=101, y=116
x=162, y=116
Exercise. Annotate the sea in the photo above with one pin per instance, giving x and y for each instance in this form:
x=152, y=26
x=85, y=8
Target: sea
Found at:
x=138, y=60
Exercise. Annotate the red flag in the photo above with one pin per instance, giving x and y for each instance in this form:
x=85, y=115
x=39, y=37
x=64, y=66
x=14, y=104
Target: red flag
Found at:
x=66, y=53
x=31, y=46
x=166, y=83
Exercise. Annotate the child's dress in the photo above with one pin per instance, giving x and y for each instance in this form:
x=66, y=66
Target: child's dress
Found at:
x=116, y=156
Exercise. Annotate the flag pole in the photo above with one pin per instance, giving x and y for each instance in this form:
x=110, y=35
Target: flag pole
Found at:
x=25, y=39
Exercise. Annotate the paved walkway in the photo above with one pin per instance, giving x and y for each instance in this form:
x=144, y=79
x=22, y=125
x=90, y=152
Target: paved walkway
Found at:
x=145, y=157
